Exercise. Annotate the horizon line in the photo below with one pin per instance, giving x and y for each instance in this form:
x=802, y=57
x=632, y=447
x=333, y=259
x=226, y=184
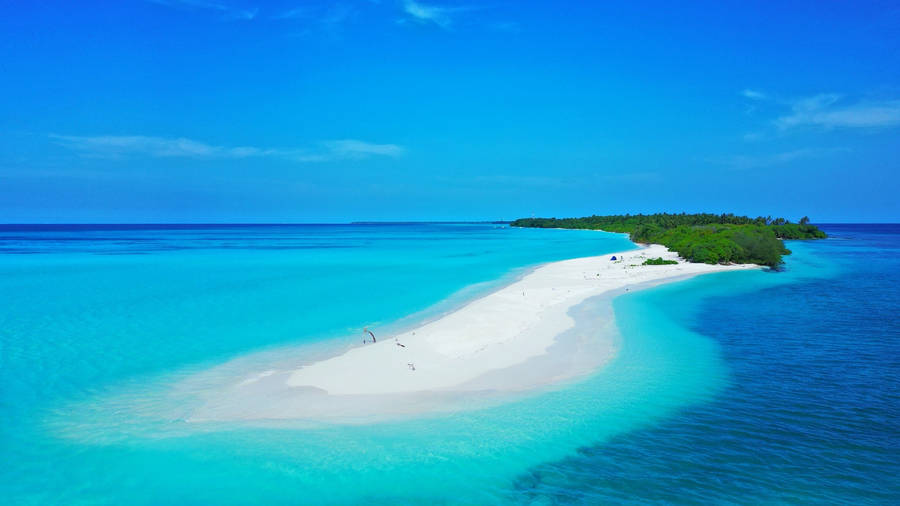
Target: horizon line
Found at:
x=255, y=223
x=368, y=222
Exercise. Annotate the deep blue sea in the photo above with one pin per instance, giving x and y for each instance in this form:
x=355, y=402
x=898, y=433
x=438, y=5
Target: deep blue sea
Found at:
x=743, y=387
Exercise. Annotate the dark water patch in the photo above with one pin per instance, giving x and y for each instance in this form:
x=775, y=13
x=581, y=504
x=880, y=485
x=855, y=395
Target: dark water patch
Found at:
x=812, y=413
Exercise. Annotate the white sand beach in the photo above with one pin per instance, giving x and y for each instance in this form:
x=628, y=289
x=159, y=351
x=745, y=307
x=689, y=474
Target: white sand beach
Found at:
x=500, y=330
x=512, y=341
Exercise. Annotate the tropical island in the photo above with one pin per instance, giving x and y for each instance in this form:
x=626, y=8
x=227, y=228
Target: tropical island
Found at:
x=699, y=238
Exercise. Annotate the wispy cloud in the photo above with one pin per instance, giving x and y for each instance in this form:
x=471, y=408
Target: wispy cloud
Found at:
x=227, y=10
x=754, y=94
x=826, y=110
x=755, y=98
x=753, y=136
x=295, y=13
x=120, y=146
x=351, y=148
x=438, y=15
x=336, y=15
x=327, y=18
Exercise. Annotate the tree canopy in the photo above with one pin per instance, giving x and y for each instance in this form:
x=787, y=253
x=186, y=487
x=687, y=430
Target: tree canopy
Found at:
x=705, y=238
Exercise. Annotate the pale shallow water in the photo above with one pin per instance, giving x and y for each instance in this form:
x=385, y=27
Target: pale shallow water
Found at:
x=718, y=390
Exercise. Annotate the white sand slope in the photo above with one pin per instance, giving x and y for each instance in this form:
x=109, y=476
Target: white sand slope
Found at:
x=500, y=330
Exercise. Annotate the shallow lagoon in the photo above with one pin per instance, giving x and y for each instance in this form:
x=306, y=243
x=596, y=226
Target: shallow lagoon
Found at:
x=80, y=323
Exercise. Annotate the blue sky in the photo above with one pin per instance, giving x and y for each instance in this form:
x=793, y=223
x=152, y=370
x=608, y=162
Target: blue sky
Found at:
x=249, y=111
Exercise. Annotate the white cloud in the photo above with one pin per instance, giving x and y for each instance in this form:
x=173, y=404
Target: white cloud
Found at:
x=228, y=10
x=753, y=136
x=826, y=111
x=328, y=18
x=429, y=13
x=245, y=14
x=754, y=94
x=295, y=13
x=352, y=148
x=119, y=146
x=336, y=15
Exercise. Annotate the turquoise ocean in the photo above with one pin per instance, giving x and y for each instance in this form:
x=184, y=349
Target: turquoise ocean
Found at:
x=742, y=387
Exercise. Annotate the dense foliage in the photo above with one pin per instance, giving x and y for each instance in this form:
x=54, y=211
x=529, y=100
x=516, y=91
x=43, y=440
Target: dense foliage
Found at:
x=707, y=238
x=659, y=261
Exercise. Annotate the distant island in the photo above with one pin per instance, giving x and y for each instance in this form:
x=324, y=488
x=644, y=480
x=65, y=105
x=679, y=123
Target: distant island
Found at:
x=700, y=238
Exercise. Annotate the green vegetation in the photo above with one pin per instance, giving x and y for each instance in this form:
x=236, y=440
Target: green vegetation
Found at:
x=702, y=238
x=659, y=261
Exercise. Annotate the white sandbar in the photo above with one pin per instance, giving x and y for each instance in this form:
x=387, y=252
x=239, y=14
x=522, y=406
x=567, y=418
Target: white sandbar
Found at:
x=498, y=331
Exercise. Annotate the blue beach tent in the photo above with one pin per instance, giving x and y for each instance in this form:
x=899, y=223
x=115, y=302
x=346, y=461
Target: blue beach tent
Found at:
x=613, y=258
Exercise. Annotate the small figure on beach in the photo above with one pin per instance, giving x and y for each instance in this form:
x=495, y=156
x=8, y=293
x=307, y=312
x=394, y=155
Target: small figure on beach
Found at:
x=367, y=331
x=412, y=366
